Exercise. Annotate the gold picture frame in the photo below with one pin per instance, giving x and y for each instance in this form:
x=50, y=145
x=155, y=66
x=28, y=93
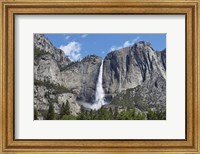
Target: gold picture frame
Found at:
x=9, y=8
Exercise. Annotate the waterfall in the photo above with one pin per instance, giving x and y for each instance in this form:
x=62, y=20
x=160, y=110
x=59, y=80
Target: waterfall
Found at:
x=99, y=95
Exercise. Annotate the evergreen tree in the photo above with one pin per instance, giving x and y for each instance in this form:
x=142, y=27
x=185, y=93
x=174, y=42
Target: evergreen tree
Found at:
x=156, y=115
x=67, y=108
x=91, y=115
x=62, y=110
x=132, y=113
x=115, y=113
x=95, y=115
x=150, y=115
x=69, y=117
x=111, y=113
x=82, y=114
x=35, y=114
x=87, y=115
x=51, y=113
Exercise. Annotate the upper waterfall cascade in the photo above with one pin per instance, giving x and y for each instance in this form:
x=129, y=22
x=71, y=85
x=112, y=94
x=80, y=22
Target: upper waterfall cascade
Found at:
x=99, y=95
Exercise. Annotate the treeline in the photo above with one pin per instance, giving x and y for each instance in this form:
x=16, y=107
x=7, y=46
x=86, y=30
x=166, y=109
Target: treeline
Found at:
x=102, y=114
x=69, y=65
x=156, y=115
x=58, y=89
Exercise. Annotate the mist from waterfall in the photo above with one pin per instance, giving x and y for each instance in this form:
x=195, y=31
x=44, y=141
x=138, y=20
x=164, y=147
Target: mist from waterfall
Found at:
x=99, y=95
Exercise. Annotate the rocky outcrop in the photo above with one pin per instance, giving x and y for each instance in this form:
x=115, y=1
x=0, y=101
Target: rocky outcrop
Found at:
x=129, y=67
x=71, y=98
x=46, y=69
x=81, y=78
x=43, y=96
x=162, y=57
x=136, y=76
x=150, y=95
x=43, y=44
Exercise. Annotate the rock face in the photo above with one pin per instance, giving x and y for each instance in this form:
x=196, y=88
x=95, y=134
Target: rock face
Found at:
x=42, y=43
x=129, y=67
x=132, y=76
x=46, y=69
x=71, y=98
x=81, y=77
x=43, y=96
x=149, y=95
x=136, y=76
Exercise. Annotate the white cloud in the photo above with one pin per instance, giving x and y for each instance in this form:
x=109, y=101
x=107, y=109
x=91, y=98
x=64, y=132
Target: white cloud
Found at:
x=129, y=43
x=72, y=50
x=84, y=35
x=113, y=48
x=126, y=44
x=67, y=37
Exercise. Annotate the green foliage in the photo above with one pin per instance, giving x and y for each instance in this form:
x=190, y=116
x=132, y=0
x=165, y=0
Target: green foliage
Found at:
x=51, y=113
x=43, y=113
x=130, y=114
x=58, y=89
x=156, y=115
x=68, y=117
x=35, y=114
x=140, y=116
x=73, y=63
x=83, y=115
x=109, y=114
x=127, y=99
x=124, y=99
x=115, y=113
x=91, y=114
x=140, y=104
x=104, y=114
x=62, y=110
x=65, y=110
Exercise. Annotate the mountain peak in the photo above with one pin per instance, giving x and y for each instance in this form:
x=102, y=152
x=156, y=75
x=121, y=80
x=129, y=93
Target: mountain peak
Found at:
x=44, y=45
x=93, y=58
x=144, y=43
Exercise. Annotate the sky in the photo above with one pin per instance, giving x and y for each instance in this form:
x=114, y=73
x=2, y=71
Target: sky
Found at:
x=78, y=46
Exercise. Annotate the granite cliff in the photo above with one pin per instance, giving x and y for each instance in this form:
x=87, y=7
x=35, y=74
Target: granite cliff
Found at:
x=136, y=76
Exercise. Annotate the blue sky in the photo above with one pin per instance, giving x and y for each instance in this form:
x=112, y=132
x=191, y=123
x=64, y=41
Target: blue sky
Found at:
x=77, y=46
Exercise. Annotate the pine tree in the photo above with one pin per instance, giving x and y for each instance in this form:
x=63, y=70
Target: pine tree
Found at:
x=111, y=113
x=67, y=108
x=91, y=115
x=95, y=115
x=82, y=114
x=132, y=113
x=115, y=113
x=51, y=113
x=62, y=111
x=35, y=114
